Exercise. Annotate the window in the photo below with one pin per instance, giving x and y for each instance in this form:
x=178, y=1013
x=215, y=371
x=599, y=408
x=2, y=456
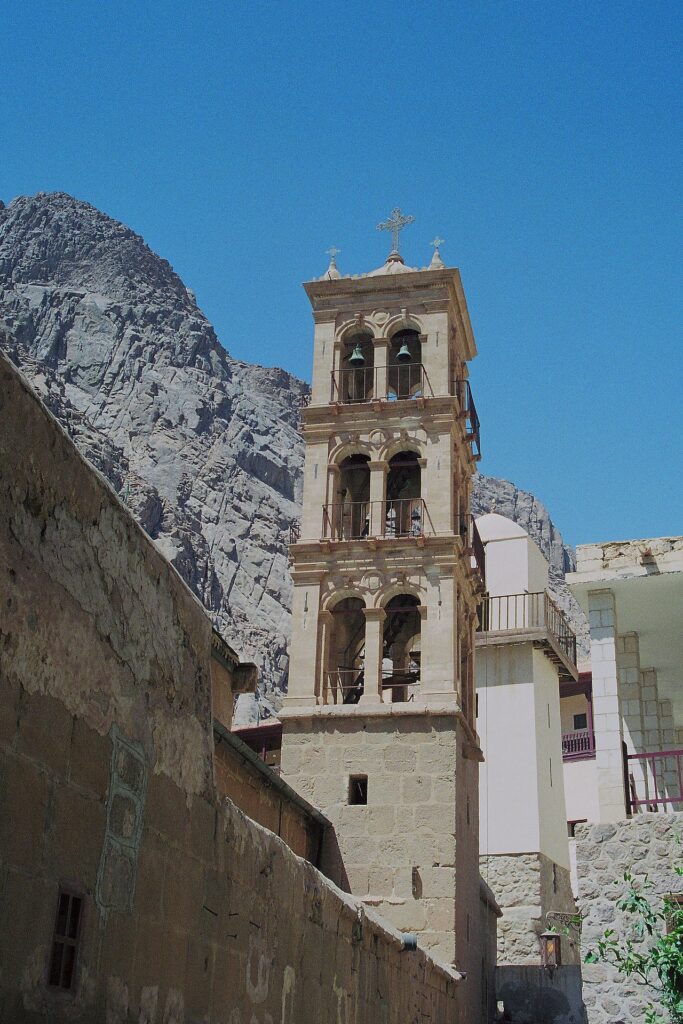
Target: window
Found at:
x=358, y=789
x=580, y=722
x=65, y=941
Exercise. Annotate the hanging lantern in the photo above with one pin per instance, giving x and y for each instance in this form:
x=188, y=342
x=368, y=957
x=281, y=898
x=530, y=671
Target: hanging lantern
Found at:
x=357, y=358
x=550, y=949
x=403, y=355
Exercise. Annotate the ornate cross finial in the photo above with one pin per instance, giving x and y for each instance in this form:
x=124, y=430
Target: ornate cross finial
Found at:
x=395, y=224
x=436, y=242
x=332, y=252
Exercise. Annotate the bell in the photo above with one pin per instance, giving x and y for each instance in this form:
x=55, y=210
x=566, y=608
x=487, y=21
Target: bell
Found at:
x=357, y=358
x=403, y=354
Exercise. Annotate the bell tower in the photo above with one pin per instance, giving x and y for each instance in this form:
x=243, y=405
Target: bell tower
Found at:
x=379, y=720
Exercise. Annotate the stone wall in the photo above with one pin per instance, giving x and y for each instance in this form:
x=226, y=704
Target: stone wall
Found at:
x=540, y=995
x=646, y=845
x=191, y=911
x=529, y=887
x=409, y=852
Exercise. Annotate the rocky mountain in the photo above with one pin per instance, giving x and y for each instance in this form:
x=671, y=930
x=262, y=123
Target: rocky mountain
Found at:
x=203, y=448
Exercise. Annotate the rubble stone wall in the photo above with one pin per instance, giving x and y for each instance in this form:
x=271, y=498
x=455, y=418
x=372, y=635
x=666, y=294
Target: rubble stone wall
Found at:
x=529, y=887
x=646, y=845
x=191, y=911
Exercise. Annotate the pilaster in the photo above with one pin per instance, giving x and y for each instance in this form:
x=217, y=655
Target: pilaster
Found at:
x=606, y=711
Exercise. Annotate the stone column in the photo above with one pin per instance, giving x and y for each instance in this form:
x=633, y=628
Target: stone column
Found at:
x=381, y=347
x=438, y=670
x=325, y=619
x=303, y=663
x=374, y=629
x=378, y=490
x=606, y=712
x=331, y=514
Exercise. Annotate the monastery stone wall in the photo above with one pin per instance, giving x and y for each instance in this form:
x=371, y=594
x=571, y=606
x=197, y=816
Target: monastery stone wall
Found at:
x=528, y=887
x=191, y=911
x=645, y=845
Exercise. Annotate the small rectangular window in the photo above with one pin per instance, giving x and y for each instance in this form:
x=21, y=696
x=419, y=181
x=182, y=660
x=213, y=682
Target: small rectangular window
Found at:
x=358, y=789
x=580, y=722
x=62, y=972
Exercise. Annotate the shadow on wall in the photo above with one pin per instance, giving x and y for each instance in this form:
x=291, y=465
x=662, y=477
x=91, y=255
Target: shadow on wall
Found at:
x=538, y=995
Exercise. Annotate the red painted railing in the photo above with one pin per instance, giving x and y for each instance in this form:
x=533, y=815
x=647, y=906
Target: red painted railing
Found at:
x=658, y=783
x=578, y=745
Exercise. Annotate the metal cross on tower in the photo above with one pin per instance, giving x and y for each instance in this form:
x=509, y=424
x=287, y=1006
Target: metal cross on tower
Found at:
x=333, y=252
x=437, y=242
x=395, y=224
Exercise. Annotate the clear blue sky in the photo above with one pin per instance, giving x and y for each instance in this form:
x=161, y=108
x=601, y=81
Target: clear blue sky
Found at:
x=541, y=139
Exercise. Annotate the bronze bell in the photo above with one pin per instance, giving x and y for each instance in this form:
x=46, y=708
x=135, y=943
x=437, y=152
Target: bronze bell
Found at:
x=357, y=358
x=403, y=354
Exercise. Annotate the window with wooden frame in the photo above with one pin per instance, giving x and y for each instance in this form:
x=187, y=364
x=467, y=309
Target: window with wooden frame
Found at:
x=64, y=953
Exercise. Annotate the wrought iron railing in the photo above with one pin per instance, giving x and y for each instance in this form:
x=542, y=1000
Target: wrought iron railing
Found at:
x=347, y=685
x=294, y=533
x=511, y=612
x=402, y=381
x=463, y=393
x=578, y=745
x=655, y=780
x=359, y=520
x=467, y=528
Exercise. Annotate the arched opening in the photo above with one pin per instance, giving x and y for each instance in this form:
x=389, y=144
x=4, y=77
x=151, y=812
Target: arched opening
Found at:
x=401, y=647
x=404, y=508
x=356, y=381
x=404, y=371
x=345, y=676
x=351, y=508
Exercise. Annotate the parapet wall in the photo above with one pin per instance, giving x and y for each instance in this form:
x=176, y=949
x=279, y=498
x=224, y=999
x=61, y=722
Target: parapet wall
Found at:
x=644, y=846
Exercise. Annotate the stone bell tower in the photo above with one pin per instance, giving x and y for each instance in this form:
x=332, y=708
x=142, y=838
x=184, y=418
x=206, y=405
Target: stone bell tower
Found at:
x=379, y=721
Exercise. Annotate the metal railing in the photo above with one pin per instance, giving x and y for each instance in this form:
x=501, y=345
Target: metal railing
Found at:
x=294, y=533
x=467, y=528
x=660, y=782
x=510, y=612
x=578, y=745
x=402, y=381
x=463, y=393
x=359, y=520
x=347, y=685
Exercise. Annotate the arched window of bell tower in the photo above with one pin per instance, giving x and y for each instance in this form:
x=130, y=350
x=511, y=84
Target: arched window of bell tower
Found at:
x=351, y=506
x=401, y=647
x=356, y=382
x=404, y=370
x=404, y=508
x=346, y=656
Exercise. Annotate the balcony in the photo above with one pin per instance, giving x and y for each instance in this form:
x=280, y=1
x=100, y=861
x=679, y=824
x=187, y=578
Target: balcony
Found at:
x=463, y=393
x=655, y=781
x=472, y=542
x=361, y=520
x=403, y=381
x=578, y=745
x=517, y=618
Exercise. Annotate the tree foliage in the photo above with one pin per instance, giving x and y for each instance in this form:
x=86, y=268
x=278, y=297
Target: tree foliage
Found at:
x=654, y=951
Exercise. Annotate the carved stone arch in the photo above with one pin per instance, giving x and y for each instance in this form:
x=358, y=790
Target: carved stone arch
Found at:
x=383, y=596
x=400, y=322
x=350, y=447
x=352, y=327
x=401, y=444
x=337, y=594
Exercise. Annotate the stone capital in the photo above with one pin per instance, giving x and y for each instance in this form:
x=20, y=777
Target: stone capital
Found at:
x=375, y=614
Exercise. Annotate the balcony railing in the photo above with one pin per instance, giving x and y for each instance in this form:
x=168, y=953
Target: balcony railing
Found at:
x=463, y=392
x=467, y=528
x=347, y=685
x=359, y=520
x=578, y=745
x=655, y=780
x=519, y=612
x=403, y=381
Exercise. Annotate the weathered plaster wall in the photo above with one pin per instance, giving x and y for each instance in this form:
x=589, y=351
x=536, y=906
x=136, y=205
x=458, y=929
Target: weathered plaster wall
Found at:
x=646, y=845
x=540, y=995
x=191, y=911
x=528, y=887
